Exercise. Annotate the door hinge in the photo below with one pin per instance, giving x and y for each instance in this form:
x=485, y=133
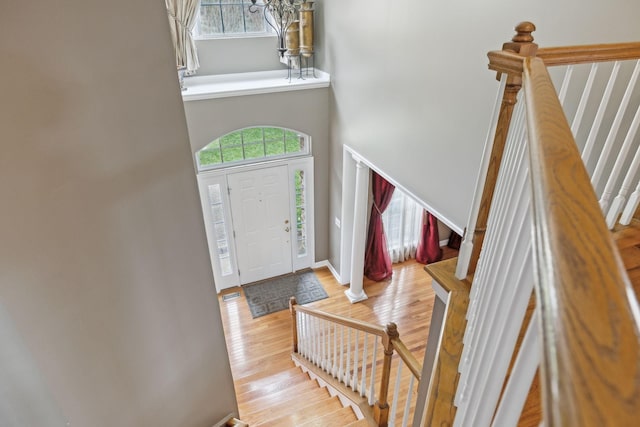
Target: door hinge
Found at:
x=229, y=190
x=234, y=234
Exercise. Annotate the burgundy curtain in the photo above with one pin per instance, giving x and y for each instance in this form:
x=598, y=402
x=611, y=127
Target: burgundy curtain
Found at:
x=429, y=243
x=377, y=263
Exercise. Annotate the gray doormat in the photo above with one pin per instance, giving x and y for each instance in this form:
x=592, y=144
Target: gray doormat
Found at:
x=273, y=295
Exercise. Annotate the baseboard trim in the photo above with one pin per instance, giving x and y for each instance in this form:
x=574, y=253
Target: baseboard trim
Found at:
x=333, y=271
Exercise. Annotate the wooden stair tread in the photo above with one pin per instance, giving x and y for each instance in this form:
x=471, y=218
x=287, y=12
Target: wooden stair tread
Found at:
x=336, y=418
x=273, y=384
x=308, y=389
x=285, y=405
x=298, y=415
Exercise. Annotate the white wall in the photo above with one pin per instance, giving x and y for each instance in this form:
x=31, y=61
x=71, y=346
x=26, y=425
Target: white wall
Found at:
x=410, y=87
x=106, y=290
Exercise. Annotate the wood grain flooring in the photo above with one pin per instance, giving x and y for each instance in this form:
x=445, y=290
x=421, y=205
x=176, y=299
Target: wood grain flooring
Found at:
x=271, y=391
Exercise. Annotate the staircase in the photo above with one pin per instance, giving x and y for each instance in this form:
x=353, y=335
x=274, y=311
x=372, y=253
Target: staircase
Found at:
x=290, y=398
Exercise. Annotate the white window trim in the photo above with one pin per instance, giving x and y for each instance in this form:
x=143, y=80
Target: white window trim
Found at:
x=260, y=160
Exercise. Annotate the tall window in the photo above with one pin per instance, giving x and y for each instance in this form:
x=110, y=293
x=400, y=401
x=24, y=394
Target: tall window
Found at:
x=251, y=145
x=230, y=17
x=402, y=224
x=301, y=214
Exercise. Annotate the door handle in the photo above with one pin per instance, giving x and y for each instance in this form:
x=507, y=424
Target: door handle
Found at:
x=286, y=229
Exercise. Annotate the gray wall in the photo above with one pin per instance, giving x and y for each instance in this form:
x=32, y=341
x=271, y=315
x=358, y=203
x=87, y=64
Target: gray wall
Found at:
x=237, y=55
x=410, y=87
x=306, y=111
x=108, y=312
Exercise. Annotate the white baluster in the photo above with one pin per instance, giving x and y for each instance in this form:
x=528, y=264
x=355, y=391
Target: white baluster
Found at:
x=466, y=247
x=334, y=370
x=407, y=405
x=489, y=275
x=341, y=368
x=632, y=205
x=485, y=267
x=565, y=84
x=617, y=168
x=524, y=369
x=396, y=393
x=374, y=364
x=618, y=203
x=354, y=381
x=597, y=121
x=347, y=373
x=363, y=385
x=324, y=345
x=584, y=99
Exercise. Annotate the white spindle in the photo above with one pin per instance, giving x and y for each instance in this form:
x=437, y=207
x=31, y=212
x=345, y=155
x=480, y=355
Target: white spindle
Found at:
x=396, y=393
x=466, y=247
x=516, y=131
x=584, y=99
x=347, y=374
x=565, y=84
x=354, y=381
x=341, y=368
x=407, y=405
x=363, y=385
x=595, y=127
x=316, y=342
x=618, y=203
x=495, y=240
x=374, y=364
x=303, y=342
x=631, y=207
x=499, y=286
x=524, y=370
x=324, y=345
x=334, y=370
x=618, y=165
x=609, y=142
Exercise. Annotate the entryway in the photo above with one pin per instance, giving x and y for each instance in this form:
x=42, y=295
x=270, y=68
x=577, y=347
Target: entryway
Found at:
x=259, y=220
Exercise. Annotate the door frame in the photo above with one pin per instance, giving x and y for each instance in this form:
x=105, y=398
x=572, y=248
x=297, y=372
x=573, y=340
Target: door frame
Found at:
x=219, y=176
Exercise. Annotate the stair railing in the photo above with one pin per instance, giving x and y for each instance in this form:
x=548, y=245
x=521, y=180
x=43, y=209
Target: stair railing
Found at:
x=348, y=351
x=539, y=222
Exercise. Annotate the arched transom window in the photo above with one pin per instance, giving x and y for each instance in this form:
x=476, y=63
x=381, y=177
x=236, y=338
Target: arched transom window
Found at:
x=252, y=145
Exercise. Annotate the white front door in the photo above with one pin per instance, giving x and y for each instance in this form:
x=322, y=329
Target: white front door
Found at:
x=261, y=220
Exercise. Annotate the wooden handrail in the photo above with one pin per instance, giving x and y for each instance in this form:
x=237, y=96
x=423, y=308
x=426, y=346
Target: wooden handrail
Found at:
x=336, y=318
x=591, y=364
x=407, y=357
x=566, y=55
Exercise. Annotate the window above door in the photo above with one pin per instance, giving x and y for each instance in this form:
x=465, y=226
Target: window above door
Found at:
x=231, y=18
x=252, y=145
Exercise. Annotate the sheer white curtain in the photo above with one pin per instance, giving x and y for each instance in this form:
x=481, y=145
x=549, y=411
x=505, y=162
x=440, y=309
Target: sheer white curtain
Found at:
x=402, y=224
x=182, y=20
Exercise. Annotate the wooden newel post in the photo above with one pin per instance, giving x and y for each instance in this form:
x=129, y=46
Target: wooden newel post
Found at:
x=294, y=323
x=381, y=408
x=522, y=44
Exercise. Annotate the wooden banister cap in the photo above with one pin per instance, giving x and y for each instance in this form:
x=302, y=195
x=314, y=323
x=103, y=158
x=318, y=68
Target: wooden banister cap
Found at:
x=392, y=330
x=523, y=32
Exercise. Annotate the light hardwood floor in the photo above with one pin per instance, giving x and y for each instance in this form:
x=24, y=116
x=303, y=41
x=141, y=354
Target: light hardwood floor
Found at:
x=271, y=391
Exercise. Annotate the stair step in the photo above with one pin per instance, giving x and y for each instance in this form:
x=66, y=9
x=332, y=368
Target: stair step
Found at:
x=284, y=404
x=298, y=416
x=272, y=384
x=359, y=423
x=268, y=402
x=341, y=417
